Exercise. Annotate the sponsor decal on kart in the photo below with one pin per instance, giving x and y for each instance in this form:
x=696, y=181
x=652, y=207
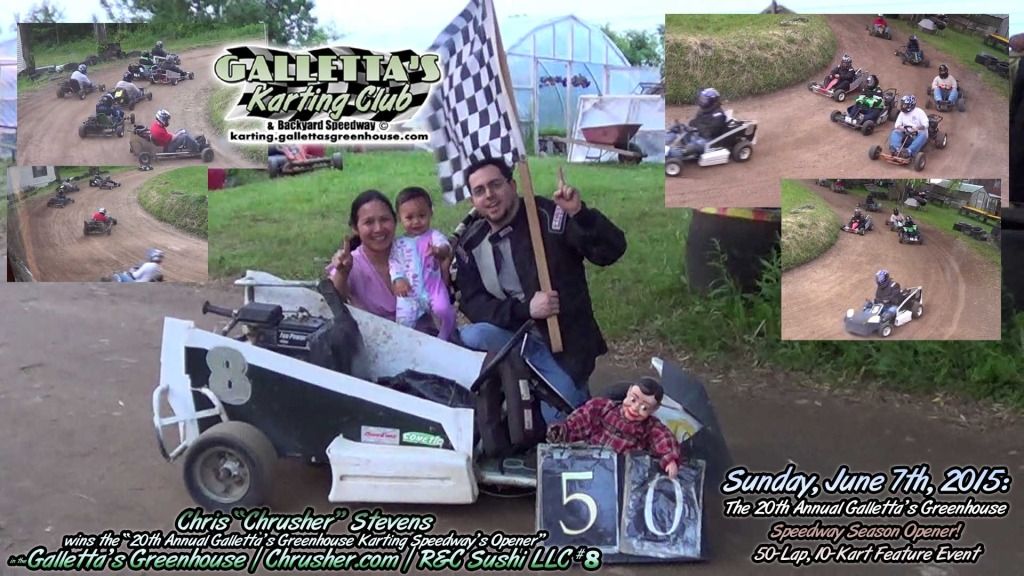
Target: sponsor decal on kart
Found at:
x=376, y=435
x=423, y=438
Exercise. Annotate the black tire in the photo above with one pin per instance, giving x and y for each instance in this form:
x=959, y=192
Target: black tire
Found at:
x=275, y=164
x=839, y=95
x=885, y=330
x=336, y=161
x=941, y=140
x=874, y=152
x=145, y=158
x=207, y=155
x=918, y=310
x=742, y=151
x=149, y=96
x=60, y=92
x=82, y=131
x=120, y=131
x=868, y=127
x=837, y=116
x=673, y=167
x=920, y=161
x=253, y=454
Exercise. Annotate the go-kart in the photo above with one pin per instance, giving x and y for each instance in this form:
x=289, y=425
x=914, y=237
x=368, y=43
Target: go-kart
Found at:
x=915, y=59
x=124, y=99
x=870, y=204
x=855, y=227
x=164, y=76
x=73, y=87
x=838, y=186
x=104, y=125
x=126, y=277
x=172, y=59
x=827, y=86
x=289, y=160
x=879, y=31
x=866, y=127
x=103, y=182
x=868, y=321
x=59, y=201
x=945, y=105
x=94, y=227
x=909, y=234
x=901, y=156
x=315, y=380
x=737, y=142
x=141, y=71
x=67, y=186
x=142, y=146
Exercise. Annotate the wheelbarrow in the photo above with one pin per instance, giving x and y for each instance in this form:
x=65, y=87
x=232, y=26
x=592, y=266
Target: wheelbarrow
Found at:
x=610, y=138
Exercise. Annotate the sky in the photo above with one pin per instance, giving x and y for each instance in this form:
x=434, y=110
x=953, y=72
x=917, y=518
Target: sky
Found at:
x=399, y=24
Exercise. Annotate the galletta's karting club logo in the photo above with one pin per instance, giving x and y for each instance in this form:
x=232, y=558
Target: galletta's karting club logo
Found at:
x=307, y=94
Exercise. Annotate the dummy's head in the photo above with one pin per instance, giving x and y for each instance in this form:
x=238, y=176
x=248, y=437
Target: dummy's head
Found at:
x=642, y=399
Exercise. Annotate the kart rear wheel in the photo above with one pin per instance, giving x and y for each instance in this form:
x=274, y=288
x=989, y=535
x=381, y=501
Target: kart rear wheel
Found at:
x=961, y=104
x=874, y=152
x=120, y=131
x=918, y=310
x=81, y=131
x=673, y=167
x=839, y=95
x=941, y=139
x=207, y=155
x=886, y=330
x=742, y=151
x=868, y=127
x=145, y=158
x=60, y=92
x=231, y=464
x=336, y=162
x=149, y=96
x=920, y=161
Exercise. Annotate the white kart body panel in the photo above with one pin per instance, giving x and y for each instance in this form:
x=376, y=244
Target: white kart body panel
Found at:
x=361, y=471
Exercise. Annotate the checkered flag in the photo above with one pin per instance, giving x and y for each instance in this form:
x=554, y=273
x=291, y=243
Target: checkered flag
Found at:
x=418, y=89
x=470, y=113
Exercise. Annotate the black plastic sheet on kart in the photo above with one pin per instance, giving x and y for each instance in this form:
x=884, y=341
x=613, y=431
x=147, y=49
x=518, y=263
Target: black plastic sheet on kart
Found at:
x=430, y=387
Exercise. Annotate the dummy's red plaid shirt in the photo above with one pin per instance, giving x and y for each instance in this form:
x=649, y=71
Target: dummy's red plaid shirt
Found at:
x=601, y=422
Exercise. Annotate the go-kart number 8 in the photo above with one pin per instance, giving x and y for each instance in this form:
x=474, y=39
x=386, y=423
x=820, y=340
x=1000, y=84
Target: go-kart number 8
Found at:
x=677, y=514
x=228, y=378
x=585, y=498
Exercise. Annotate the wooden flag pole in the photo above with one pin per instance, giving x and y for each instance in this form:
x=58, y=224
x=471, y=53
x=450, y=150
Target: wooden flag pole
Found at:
x=536, y=239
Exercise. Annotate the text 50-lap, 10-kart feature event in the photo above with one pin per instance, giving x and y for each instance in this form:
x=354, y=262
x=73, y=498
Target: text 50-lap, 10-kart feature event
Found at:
x=488, y=347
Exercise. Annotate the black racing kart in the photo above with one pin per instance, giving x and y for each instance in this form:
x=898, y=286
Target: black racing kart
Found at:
x=70, y=86
x=871, y=319
x=737, y=143
x=104, y=125
x=93, y=227
x=104, y=182
x=125, y=100
x=915, y=59
x=67, y=186
x=870, y=204
x=901, y=156
x=857, y=121
x=59, y=201
x=909, y=233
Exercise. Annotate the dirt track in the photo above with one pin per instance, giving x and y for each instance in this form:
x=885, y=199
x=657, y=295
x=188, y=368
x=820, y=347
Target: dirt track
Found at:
x=76, y=422
x=56, y=249
x=796, y=138
x=961, y=289
x=43, y=118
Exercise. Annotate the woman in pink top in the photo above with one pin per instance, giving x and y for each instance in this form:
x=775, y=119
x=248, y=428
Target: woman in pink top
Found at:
x=359, y=269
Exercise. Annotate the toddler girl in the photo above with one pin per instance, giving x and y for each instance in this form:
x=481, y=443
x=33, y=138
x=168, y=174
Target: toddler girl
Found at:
x=415, y=265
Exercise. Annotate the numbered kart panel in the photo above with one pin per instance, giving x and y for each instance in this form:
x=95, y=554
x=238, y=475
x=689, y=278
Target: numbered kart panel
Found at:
x=578, y=496
x=662, y=516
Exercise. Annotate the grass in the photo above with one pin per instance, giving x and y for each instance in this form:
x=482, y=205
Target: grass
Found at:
x=742, y=55
x=963, y=48
x=141, y=38
x=221, y=102
x=809, y=226
x=941, y=219
x=179, y=198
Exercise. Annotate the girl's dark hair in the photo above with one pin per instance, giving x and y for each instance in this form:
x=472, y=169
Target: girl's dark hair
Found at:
x=412, y=193
x=364, y=198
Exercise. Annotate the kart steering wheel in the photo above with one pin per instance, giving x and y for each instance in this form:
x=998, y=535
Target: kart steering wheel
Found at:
x=488, y=369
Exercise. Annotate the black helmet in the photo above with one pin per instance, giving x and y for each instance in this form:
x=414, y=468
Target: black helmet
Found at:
x=708, y=98
x=846, y=62
x=106, y=99
x=943, y=71
x=128, y=76
x=908, y=103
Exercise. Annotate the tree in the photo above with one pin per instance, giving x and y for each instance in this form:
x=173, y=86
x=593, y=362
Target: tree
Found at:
x=42, y=14
x=641, y=48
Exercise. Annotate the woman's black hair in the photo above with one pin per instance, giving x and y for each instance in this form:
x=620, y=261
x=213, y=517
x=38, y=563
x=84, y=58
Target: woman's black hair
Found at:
x=412, y=193
x=364, y=198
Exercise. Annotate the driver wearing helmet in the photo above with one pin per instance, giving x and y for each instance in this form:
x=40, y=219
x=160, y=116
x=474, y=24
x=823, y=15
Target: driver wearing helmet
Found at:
x=880, y=24
x=843, y=74
x=709, y=123
x=106, y=107
x=158, y=49
x=944, y=81
x=131, y=92
x=858, y=219
x=150, y=271
x=896, y=220
x=100, y=215
x=161, y=137
x=887, y=293
x=870, y=102
x=84, y=84
x=911, y=119
x=914, y=49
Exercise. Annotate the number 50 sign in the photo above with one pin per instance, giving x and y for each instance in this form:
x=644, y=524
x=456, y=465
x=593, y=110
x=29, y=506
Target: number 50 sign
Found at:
x=578, y=503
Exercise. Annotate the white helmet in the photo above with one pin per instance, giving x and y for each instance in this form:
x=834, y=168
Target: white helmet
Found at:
x=82, y=68
x=102, y=211
x=159, y=43
x=163, y=117
x=155, y=255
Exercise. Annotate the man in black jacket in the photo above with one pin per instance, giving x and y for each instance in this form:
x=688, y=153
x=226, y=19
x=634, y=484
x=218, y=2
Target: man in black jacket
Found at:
x=709, y=123
x=887, y=293
x=500, y=289
x=843, y=73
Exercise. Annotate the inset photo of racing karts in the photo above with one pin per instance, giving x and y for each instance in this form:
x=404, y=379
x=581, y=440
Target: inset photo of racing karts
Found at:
x=292, y=159
x=869, y=245
x=104, y=230
x=102, y=97
x=795, y=75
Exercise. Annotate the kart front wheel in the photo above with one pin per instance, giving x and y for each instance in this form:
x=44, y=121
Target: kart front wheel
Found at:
x=885, y=330
x=81, y=131
x=230, y=465
x=837, y=116
x=941, y=139
x=742, y=151
x=920, y=161
x=868, y=127
x=840, y=96
x=918, y=310
x=673, y=168
x=207, y=155
x=874, y=152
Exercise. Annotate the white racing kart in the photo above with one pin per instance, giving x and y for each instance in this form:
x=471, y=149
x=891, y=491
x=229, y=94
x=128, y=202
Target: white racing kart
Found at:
x=240, y=403
x=868, y=321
